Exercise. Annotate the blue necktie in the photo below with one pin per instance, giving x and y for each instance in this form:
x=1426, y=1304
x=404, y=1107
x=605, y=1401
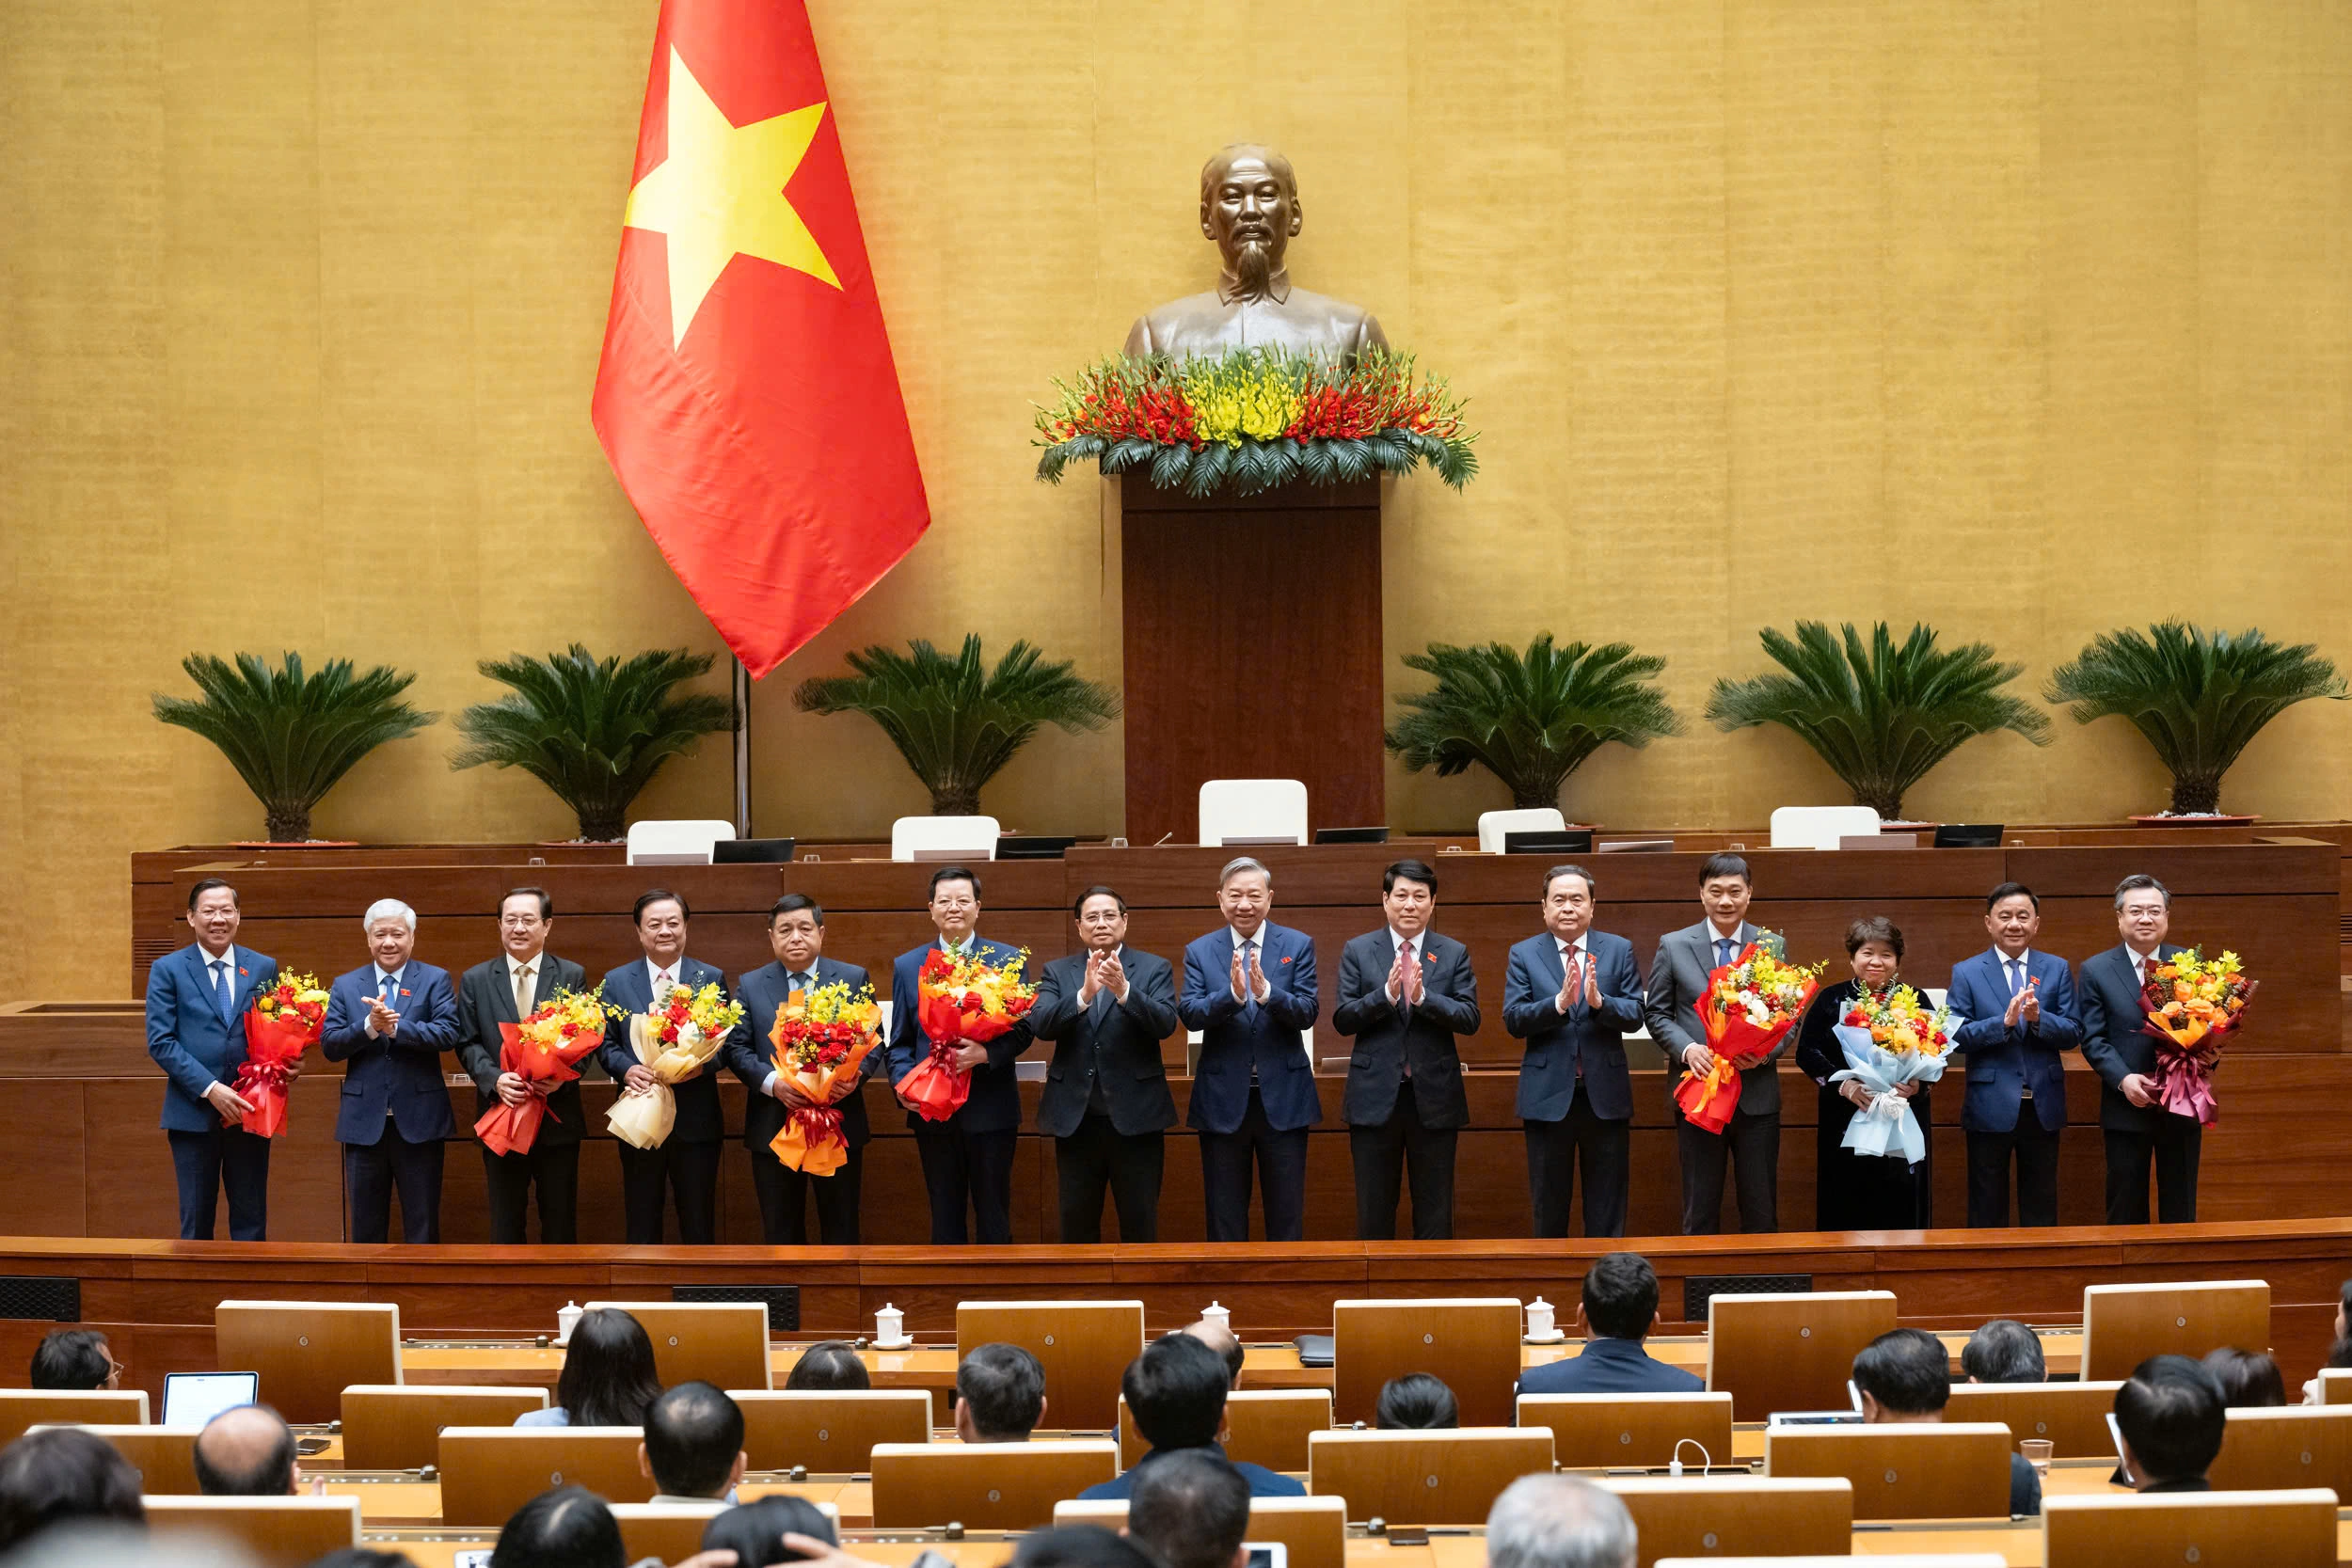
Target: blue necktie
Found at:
x=391, y=984
x=220, y=988
x=1249, y=985
x=1725, y=950
x=2016, y=975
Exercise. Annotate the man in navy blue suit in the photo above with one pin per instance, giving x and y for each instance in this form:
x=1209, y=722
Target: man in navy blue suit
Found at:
x=2117, y=1044
x=195, y=1003
x=1618, y=1309
x=967, y=1159
x=796, y=934
x=2017, y=1007
x=1571, y=995
x=1249, y=989
x=390, y=1020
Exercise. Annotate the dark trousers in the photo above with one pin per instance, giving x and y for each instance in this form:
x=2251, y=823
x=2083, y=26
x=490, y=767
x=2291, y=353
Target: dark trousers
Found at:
x=1097, y=1156
x=1555, y=1149
x=555, y=1168
x=2175, y=1144
x=962, y=1167
x=784, y=1195
x=1750, y=1148
x=371, y=1171
x=203, y=1162
x=1384, y=1153
x=1281, y=1162
x=2035, y=1149
x=690, y=1171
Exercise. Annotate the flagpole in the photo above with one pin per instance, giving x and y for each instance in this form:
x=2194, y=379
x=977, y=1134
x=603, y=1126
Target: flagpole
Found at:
x=742, y=749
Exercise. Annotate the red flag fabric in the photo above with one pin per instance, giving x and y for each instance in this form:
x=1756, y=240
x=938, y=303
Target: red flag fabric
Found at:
x=747, y=398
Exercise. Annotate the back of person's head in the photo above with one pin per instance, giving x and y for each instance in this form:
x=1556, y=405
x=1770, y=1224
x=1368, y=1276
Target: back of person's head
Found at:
x=1416, y=1402
x=1176, y=1392
x=2340, y=1354
x=694, y=1436
x=363, y=1557
x=62, y=1475
x=829, y=1364
x=1003, y=1388
x=74, y=1359
x=608, y=1378
x=1221, y=1340
x=1191, y=1509
x=1907, y=1371
x=1559, y=1521
x=2171, y=1413
x=755, y=1531
x=1081, y=1547
x=567, y=1528
x=2004, y=1350
x=1621, y=1295
x=245, y=1452
x=2248, y=1379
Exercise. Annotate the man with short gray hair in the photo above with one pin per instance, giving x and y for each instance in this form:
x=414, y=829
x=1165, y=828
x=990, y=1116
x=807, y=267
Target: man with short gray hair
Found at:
x=389, y=1020
x=1559, y=1521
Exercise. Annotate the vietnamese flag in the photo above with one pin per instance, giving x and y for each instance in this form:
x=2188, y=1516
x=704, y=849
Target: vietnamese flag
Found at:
x=747, y=397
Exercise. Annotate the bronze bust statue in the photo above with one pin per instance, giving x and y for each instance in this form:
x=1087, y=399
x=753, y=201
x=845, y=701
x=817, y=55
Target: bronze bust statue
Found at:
x=1249, y=207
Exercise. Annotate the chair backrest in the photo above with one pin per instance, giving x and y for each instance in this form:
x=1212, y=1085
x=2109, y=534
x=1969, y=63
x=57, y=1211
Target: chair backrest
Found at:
x=1252, y=809
x=2216, y=1530
x=21, y=1408
x=1713, y=1517
x=287, y=1531
x=1313, y=1529
x=2335, y=1386
x=1269, y=1427
x=984, y=1485
x=1471, y=1343
x=1595, y=1432
x=308, y=1352
x=2125, y=1324
x=723, y=1343
x=1083, y=1345
x=1903, y=1470
x=1790, y=1351
x=394, y=1425
x=1447, y=1477
x=686, y=840
x=2073, y=1416
x=488, y=1472
x=829, y=1432
x=1821, y=827
x=1493, y=825
x=165, y=1457
x=968, y=838
x=668, y=1532
x=2296, y=1446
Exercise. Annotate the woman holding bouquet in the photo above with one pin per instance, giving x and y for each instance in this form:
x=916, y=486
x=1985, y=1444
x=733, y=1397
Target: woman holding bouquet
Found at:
x=1856, y=1191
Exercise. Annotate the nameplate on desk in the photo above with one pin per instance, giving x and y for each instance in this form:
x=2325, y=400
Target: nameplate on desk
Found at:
x=1878, y=841
x=948, y=855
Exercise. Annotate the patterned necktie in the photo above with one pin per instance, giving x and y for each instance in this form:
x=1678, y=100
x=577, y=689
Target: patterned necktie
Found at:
x=220, y=988
x=804, y=982
x=1249, y=985
x=523, y=991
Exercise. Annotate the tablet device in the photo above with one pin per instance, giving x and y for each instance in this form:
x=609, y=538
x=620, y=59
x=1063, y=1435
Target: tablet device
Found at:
x=1267, y=1554
x=1782, y=1418
x=192, y=1399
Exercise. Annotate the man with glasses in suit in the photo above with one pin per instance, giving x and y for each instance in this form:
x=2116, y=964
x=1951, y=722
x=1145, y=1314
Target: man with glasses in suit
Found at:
x=505, y=989
x=195, y=1003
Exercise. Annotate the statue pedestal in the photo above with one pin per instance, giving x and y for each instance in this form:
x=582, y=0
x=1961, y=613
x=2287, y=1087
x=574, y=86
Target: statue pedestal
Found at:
x=1252, y=647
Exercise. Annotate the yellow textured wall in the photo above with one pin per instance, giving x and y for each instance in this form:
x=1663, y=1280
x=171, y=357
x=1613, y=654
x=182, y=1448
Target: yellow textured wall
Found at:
x=2032, y=320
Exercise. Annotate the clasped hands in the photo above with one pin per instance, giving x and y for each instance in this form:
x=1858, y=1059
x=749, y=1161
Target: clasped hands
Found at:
x=1404, y=981
x=1103, y=973
x=1567, y=996
x=2025, y=1007
x=382, y=1021
x=1250, y=983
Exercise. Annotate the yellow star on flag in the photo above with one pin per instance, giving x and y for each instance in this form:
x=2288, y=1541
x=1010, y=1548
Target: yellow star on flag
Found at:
x=720, y=194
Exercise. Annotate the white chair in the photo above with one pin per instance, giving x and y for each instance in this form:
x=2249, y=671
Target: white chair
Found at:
x=937, y=837
x=1492, y=825
x=1821, y=827
x=1261, y=810
x=683, y=842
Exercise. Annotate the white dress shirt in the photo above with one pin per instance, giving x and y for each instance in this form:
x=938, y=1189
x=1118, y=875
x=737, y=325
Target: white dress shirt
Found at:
x=1260, y=938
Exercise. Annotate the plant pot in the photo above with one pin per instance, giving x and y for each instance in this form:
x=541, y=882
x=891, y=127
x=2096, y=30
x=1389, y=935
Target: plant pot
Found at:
x=296, y=843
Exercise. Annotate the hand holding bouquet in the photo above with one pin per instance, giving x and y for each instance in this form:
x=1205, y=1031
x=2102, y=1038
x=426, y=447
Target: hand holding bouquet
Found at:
x=2192, y=1001
x=821, y=1037
x=1749, y=1005
x=545, y=1051
x=1891, y=1037
x=958, y=999
x=673, y=1042
x=283, y=1022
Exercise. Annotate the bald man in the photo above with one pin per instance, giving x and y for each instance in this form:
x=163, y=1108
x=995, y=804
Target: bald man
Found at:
x=247, y=1452
x=1219, y=1338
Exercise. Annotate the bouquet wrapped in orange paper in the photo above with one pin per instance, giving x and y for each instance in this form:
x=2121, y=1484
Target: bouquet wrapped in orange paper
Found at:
x=283, y=1022
x=1749, y=1005
x=681, y=1034
x=545, y=1051
x=960, y=998
x=2193, y=1001
x=821, y=1037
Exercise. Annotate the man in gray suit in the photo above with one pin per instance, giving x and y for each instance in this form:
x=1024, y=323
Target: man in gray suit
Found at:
x=1677, y=979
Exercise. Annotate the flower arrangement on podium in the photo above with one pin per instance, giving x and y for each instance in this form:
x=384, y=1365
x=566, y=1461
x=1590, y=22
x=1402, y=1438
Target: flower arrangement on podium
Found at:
x=545, y=1051
x=1890, y=1038
x=1254, y=419
x=2193, y=1001
x=822, y=1036
x=1749, y=1005
x=674, y=1041
x=963, y=997
x=283, y=1022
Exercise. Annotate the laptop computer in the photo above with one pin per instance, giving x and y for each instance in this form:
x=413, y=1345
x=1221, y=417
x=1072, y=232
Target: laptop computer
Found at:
x=752, y=851
x=1352, y=835
x=1574, y=841
x=192, y=1399
x=1034, y=846
x=1968, y=835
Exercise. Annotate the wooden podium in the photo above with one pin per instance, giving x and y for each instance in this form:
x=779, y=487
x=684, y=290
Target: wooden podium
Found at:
x=1252, y=648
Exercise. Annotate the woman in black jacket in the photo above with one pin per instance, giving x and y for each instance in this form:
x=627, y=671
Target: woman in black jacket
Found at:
x=1856, y=1192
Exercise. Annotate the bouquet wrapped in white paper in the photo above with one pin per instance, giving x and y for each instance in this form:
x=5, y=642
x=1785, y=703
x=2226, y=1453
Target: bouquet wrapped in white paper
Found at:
x=1891, y=1038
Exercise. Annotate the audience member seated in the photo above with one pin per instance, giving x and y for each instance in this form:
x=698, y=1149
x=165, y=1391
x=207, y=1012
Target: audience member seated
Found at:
x=1001, y=1395
x=693, y=1447
x=2171, y=1415
x=64, y=1476
x=1176, y=1396
x=363, y=1557
x=1080, y=1547
x=1220, y=1339
x=829, y=1365
x=247, y=1452
x=1618, y=1310
x=1559, y=1521
x=2339, y=1356
x=755, y=1531
x=76, y=1360
x=2248, y=1379
x=608, y=1378
x=2004, y=1350
x=567, y=1528
x=1192, y=1511
x=1416, y=1402
x=1906, y=1375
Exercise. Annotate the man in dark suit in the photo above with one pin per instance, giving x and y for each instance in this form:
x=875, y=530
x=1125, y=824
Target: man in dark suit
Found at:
x=2116, y=1044
x=1751, y=1145
x=1176, y=1391
x=966, y=1159
x=2172, y=1417
x=389, y=1020
x=1107, y=1007
x=1620, y=1307
x=1571, y=995
x=195, y=1003
x=1904, y=1377
x=1249, y=989
x=505, y=989
x=686, y=1164
x=796, y=934
x=1406, y=993
x=2017, y=1007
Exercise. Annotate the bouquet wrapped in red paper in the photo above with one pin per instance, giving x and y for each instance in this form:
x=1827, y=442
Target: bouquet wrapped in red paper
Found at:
x=960, y=998
x=822, y=1036
x=2192, y=1001
x=545, y=1051
x=1749, y=1005
x=283, y=1022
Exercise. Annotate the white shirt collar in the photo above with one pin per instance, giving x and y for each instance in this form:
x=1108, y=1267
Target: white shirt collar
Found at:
x=2004, y=961
x=514, y=965
x=1398, y=939
x=1579, y=946
x=227, y=955
x=383, y=975
x=1238, y=939
x=676, y=970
